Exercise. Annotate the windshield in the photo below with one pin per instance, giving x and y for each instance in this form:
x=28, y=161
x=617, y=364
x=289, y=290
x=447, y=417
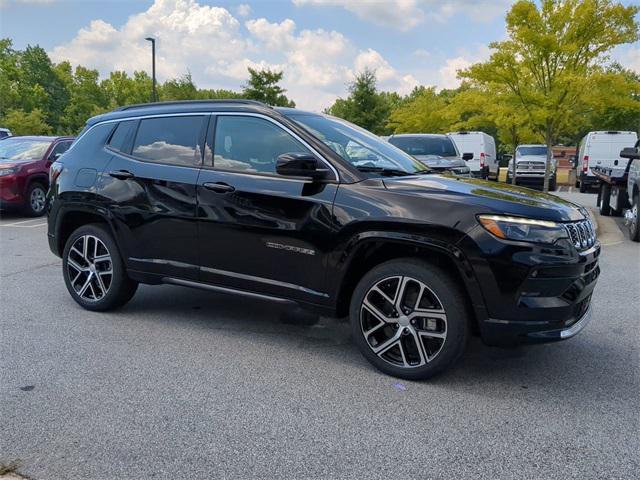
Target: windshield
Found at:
x=22, y=149
x=441, y=146
x=362, y=149
x=539, y=151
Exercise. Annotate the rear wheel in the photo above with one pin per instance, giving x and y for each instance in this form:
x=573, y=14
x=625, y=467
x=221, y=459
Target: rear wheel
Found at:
x=93, y=270
x=36, y=199
x=409, y=319
x=634, y=221
x=605, y=199
x=583, y=187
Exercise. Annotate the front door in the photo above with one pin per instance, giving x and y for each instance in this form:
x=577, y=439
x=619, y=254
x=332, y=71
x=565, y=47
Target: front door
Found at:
x=260, y=231
x=151, y=184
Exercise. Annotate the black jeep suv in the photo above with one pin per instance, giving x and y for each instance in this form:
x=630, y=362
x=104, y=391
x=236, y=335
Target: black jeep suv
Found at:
x=302, y=208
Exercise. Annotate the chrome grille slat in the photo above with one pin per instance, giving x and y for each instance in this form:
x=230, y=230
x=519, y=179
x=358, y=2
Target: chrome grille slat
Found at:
x=582, y=234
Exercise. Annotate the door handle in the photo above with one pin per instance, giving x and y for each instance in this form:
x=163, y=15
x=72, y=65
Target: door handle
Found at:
x=218, y=187
x=121, y=174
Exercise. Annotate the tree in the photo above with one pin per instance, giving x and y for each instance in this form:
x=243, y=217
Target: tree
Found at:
x=263, y=86
x=27, y=123
x=423, y=112
x=365, y=106
x=181, y=88
x=121, y=89
x=551, y=56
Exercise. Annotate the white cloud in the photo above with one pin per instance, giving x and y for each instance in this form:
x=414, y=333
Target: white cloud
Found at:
x=217, y=49
x=243, y=10
x=422, y=53
x=448, y=73
x=405, y=15
x=628, y=57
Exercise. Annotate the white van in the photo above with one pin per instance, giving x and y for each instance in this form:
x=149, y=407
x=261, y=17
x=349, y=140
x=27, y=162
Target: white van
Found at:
x=485, y=162
x=600, y=149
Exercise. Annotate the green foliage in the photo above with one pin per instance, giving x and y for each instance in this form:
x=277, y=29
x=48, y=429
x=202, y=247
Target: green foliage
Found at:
x=365, y=106
x=26, y=123
x=550, y=61
x=263, y=86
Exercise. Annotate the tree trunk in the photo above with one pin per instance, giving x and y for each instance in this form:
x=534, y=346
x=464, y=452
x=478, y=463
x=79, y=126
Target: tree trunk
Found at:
x=547, y=168
x=515, y=138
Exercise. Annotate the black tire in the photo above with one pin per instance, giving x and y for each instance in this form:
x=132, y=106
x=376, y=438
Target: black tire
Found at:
x=583, y=187
x=577, y=183
x=553, y=184
x=443, y=289
x=605, y=199
x=120, y=288
x=35, y=200
x=634, y=225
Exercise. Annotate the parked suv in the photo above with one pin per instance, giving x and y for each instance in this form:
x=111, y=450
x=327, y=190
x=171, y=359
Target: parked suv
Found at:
x=24, y=171
x=436, y=151
x=4, y=133
x=240, y=198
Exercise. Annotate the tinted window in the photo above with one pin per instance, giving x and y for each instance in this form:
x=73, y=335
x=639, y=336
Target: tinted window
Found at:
x=250, y=144
x=3, y=134
x=441, y=146
x=60, y=148
x=173, y=140
x=121, y=136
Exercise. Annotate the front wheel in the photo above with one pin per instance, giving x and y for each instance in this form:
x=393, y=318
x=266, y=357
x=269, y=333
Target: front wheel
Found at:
x=409, y=319
x=93, y=270
x=36, y=200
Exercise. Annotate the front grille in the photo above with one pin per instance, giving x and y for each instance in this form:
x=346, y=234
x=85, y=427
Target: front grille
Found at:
x=582, y=234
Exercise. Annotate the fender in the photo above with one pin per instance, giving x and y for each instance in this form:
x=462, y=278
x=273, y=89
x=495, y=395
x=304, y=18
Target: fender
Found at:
x=437, y=243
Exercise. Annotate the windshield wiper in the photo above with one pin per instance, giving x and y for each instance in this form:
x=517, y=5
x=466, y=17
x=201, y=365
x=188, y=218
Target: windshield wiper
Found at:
x=392, y=172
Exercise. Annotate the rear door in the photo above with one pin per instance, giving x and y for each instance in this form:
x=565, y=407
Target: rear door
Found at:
x=150, y=184
x=260, y=231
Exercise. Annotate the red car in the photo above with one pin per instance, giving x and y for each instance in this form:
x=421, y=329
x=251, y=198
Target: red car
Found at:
x=24, y=171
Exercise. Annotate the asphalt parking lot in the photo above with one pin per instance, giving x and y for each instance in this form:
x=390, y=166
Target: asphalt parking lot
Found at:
x=187, y=384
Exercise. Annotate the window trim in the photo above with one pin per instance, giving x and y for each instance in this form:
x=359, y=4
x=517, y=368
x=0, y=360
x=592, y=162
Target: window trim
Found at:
x=214, y=113
x=199, y=141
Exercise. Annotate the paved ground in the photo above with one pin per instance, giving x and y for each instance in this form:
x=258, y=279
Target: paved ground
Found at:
x=186, y=384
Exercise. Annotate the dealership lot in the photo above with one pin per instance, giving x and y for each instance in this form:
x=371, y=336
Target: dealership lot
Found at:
x=188, y=384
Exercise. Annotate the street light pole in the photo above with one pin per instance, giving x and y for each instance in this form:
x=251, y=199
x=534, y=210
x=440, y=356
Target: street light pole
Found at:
x=154, y=93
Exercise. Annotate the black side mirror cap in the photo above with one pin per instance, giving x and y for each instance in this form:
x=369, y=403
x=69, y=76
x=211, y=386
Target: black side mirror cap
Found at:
x=301, y=165
x=467, y=156
x=630, y=152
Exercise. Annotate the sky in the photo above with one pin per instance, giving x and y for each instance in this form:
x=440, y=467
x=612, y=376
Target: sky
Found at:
x=319, y=44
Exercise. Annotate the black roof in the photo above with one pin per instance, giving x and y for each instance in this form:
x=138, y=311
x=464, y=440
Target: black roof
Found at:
x=185, y=106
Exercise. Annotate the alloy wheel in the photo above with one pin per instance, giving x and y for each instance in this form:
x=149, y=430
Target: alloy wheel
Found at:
x=403, y=321
x=37, y=199
x=90, y=268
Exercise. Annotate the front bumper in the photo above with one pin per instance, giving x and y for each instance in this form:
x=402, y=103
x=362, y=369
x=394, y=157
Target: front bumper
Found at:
x=530, y=179
x=533, y=294
x=10, y=192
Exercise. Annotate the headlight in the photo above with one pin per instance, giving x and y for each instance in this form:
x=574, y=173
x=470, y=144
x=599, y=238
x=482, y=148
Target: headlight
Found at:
x=523, y=229
x=8, y=171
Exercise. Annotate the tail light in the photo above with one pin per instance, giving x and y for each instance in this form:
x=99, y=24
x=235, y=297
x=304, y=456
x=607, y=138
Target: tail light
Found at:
x=585, y=163
x=482, y=158
x=54, y=172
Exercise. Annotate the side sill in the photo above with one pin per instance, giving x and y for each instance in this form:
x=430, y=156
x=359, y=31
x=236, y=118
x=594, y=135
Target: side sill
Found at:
x=234, y=291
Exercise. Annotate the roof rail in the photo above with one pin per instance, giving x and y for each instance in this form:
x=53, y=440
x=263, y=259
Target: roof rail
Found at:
x=188, y=102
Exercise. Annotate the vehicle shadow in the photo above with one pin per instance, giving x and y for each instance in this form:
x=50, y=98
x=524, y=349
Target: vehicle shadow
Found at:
x=569, y=367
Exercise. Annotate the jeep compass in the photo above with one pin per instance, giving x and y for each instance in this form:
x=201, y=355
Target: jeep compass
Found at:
x=306, y=209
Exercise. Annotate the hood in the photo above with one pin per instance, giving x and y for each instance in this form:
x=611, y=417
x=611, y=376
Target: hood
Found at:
x=489, y=197
x=436, y=161
x=6, y=162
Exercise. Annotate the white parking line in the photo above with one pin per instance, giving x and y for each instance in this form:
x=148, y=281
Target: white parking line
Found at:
x=15, y=225
x=21, y=221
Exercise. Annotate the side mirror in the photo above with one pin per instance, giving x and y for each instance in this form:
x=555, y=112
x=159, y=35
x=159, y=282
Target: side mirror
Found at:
x=300, y=165
x=630, y=152
x=467, y=156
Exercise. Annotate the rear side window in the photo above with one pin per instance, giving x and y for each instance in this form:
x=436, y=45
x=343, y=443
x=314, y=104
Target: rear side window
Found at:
x=120, y=139
x=249, y=144
x=170, y=140
x=60, y=148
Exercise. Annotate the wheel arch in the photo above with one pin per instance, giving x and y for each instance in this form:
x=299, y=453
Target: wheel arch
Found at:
x=374, y=248
x=41, y=178
x=70, y=219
